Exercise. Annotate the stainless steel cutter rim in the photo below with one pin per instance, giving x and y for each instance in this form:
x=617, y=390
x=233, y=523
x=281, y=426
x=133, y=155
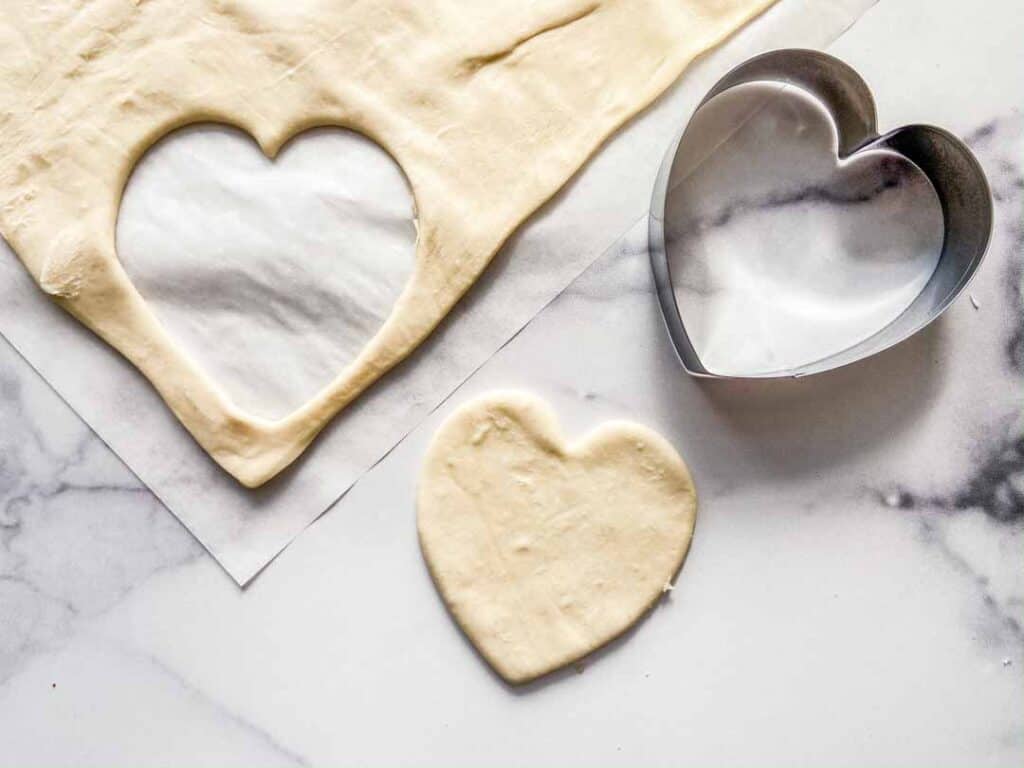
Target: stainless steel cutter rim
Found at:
x=947, y=163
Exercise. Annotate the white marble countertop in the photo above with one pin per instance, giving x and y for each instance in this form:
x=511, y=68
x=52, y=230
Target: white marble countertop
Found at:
x=854, y=595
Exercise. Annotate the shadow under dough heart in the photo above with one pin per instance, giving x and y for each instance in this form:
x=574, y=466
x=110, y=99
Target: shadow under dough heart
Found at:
x=542, y=551
x=488, y=108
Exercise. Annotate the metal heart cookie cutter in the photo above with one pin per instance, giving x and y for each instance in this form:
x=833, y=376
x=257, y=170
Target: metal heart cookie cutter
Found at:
x=955, y=175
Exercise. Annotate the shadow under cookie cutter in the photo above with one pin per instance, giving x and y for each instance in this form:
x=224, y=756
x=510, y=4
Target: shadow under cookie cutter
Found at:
x=950, y=167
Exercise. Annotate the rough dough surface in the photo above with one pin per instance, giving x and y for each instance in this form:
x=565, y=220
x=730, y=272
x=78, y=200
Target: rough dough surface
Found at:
x=488, y=107
x=544, y=552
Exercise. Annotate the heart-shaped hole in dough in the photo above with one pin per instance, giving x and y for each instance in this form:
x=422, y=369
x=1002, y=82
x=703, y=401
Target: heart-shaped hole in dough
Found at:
x=780, y=253
x=272, y=273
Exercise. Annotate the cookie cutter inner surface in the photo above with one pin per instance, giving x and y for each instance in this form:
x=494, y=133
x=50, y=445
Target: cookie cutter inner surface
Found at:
x=957, y=180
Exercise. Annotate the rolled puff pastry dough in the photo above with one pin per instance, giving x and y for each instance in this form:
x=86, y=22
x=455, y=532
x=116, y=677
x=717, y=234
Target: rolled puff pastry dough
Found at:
x=489, y=107
x=544, y=552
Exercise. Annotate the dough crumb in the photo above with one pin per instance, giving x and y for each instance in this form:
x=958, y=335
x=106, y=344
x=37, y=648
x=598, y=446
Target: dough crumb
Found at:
x=481, y=433
x=63, y=271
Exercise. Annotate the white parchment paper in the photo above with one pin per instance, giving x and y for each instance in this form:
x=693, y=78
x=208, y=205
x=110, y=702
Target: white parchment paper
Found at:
x=273, y=274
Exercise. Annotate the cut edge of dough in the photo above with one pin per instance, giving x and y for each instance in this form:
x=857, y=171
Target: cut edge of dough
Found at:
x=541, y=414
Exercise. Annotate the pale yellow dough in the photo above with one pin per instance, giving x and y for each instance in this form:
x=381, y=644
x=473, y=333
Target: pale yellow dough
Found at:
x=489, y=107
x=544, y=552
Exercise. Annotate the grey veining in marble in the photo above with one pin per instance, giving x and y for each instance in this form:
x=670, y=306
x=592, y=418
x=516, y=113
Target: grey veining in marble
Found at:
x=77, y=530
x=998, y=142
x=991, y=494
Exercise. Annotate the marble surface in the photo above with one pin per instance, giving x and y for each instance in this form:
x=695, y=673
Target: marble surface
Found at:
x=854, y=594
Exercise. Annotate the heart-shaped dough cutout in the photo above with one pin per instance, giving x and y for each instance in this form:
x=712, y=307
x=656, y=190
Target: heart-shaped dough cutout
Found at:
x=544, y=552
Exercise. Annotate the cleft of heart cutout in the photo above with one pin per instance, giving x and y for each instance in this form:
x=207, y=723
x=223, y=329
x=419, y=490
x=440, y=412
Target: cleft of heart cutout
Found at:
x=545, y=551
